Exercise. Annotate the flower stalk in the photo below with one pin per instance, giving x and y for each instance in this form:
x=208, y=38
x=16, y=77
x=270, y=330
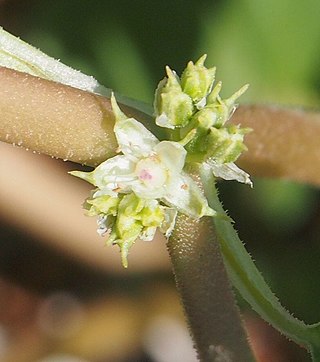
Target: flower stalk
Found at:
x=206, y=294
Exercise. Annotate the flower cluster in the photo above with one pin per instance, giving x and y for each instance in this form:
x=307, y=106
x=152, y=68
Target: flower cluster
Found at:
x=144, y=187
x=191, y=107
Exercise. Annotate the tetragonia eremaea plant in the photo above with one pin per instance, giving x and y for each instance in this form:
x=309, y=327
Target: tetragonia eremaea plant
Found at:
x=144, y=187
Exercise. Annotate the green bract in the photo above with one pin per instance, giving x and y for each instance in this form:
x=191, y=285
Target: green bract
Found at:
x=143, y=188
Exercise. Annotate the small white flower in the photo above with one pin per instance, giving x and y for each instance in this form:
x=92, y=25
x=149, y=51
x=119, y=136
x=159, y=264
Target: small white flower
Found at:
x=143, y=188
x=149, y=168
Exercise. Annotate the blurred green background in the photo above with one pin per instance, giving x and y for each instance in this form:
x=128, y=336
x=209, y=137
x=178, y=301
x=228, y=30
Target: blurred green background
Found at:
x=273, y=45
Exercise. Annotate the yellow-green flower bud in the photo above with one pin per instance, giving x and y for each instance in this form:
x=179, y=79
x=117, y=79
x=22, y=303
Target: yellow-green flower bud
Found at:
x=209, y=116
x=225, y=145
x=221, y=112
x=223, y=108
x=197, y=81
x=136, y=217
x=173, y=107
x=198, y=147
x=104, y=204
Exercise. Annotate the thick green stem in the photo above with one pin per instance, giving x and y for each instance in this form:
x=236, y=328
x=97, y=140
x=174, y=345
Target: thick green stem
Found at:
x=205, y=290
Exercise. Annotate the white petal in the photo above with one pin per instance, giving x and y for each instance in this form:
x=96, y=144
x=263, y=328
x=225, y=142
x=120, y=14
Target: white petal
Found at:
x=118, y=169
x=148, y=233
x=171, y=154
x=229, y=171
x=167, y=226
x=146, y=192
x=201, y=104
x=184, y=194
x=105, y=191
x=134, y=139
x=163, y=121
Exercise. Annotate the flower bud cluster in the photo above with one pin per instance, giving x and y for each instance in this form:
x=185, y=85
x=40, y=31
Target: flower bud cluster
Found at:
x=127, y=217
x=193, y=105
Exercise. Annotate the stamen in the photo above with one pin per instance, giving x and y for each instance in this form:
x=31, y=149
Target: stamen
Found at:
x=184, y=187
x=145, y=175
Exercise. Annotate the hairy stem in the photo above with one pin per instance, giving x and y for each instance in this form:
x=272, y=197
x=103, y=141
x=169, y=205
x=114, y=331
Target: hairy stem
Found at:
x=56, y=119
x=68, y=123
x=205, y=291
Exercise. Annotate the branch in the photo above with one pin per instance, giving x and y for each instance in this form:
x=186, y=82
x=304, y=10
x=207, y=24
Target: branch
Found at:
x=55, y=119
x=284, y=142
x=72, y=124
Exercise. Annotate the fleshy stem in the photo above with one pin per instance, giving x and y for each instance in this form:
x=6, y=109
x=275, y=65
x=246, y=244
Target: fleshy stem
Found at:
x=250, y=283
x=213, y=318
x=209, y=303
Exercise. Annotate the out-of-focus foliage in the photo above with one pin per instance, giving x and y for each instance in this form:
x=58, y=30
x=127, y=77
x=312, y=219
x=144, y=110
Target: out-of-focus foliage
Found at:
x=125, y=44
x=273, y=45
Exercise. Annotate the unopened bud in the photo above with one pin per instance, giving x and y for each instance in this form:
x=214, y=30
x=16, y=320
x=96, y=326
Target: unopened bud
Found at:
x=197, y=81
x=226, y=144
x=173, y=107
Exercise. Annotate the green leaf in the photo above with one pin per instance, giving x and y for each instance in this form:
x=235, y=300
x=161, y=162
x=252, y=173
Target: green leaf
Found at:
x=22, y=57
x=249, y=281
